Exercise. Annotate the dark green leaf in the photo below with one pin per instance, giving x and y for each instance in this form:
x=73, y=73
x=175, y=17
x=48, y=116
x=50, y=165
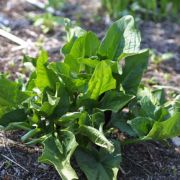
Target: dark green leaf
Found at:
x=114, y=101
x=97, y=119
x=141, y=125
x=120, y=122
x=18, y=125
x=147, y=107
x=99, y=165
x=64, y=102
x=13, y=116
x=159, y=94
x=10, y=94
x=49, y=106
x=133, y=71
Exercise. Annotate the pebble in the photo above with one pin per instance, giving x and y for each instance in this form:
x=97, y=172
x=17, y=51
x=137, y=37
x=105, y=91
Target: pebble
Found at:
x=176, y=141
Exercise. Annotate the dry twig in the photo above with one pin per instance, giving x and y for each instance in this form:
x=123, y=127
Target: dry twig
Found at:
x=14, y=162
x=13, y=38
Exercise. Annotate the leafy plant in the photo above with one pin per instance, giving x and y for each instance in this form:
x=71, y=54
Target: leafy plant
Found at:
x=154, y=9
x=116, y=8
x=159, y=58
x=75, y=107
x=47, y=22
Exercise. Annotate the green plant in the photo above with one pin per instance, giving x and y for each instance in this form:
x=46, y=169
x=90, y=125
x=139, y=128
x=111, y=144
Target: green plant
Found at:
x=75, y=107
x=159, y=58
x=153, y=9
x=115, y=8
x=47, y=22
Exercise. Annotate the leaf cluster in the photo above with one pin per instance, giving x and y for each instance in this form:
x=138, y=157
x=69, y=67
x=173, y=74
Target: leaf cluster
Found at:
x=78, y=107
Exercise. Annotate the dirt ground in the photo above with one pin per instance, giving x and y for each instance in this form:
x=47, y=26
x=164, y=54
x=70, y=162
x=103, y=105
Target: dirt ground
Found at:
x=151, y=160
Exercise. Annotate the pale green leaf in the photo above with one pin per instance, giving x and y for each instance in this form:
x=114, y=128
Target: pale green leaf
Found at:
x=44, y=76
x=122, y=37
x=165, y=129
x=61, y=161
x=85, y=46
x=101, y=81
x=96, y=137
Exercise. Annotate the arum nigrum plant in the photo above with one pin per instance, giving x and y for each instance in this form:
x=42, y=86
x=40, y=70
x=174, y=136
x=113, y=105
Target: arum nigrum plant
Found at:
x=76, y=107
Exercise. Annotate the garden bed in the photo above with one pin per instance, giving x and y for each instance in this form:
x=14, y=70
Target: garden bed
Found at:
x=152, y=160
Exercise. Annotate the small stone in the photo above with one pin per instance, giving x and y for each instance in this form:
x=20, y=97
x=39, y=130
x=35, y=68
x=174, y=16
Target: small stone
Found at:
x=176, y=141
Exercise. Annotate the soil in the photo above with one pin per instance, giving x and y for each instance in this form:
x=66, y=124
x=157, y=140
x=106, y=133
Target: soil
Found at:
x=150, y=160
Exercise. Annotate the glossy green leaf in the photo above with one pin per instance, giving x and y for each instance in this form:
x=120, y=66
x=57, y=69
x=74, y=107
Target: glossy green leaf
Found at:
x=165, y=129
x=60, y=68
x=44, y=76
x=85, y=46
x=96, y=137
x=68, y=118
x=115, y=66
x=89, y=62
x=156, y=97
x=73, y=63
x=122, y=37
x=61, y=161
x=67, y=47
x=101, y=81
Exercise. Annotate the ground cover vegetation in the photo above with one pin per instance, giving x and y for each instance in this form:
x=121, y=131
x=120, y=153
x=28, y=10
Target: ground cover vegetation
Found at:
x=89, y=105
x=154, y=9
